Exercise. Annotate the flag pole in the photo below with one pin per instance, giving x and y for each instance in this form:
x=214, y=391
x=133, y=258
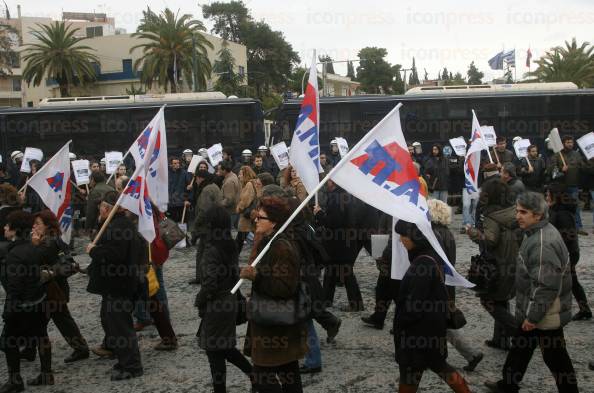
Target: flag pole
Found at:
x=304, y=203
x=50, y=160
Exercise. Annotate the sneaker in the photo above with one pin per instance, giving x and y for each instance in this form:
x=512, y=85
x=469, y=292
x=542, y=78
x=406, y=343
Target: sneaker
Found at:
x=76, y=356
x=372, y=322
x=471, y=366
x=139, y=326
x=582, y=315
x=102, y=352
x=333, y=331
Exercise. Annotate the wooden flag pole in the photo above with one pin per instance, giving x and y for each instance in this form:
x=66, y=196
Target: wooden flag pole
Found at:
x=183, y=217
x=112, y=213
x=562, y=158
x=496, y=156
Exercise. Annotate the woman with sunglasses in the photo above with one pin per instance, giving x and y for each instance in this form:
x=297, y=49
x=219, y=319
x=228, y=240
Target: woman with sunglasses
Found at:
x=275, y=350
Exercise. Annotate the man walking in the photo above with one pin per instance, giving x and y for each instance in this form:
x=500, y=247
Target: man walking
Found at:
x=543, y=300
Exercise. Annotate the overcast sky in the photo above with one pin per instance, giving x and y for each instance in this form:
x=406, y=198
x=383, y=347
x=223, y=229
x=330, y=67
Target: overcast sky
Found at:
x=437, y=33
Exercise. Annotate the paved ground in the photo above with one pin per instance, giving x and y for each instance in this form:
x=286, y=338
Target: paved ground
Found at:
x=360, y=361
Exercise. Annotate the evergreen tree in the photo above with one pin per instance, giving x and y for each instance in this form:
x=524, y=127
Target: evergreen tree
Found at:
x=228, y=81
x=398, y=83
x=351, y=71
x=474, y=75
x=445, y=76
x=374, y=72
x=414, y=76
x=458, y=79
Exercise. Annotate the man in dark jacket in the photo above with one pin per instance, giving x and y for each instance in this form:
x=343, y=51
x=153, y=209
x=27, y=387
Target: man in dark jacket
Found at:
x=533, y=170
x=570, y=163
x=115, y=273
x=437, y=173
x=338, y=220
x=98, y=189
x=543, y=300
x=178, y=192
x=501, y=154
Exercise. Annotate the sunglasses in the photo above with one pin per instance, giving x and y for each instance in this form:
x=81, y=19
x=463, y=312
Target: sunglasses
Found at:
x=262, y=218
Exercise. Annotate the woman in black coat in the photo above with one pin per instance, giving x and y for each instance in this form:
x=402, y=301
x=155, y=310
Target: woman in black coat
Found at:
x=217, y=306
x=420, y=323
x=25, y=305
x=562, y=209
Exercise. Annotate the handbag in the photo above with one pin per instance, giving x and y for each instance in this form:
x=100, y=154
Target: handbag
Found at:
x=247, y=212
x=170, y=232
x=483, y=273
x=455, y=318
x=267, y=311
x=152, y=281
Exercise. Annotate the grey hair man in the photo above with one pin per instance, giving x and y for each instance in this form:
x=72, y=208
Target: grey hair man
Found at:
x=543, y=299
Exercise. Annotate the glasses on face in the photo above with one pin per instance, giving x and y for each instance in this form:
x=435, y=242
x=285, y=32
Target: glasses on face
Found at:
x=262, y=218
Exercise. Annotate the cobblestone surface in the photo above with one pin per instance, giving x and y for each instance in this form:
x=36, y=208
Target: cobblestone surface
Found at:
x=362, y=359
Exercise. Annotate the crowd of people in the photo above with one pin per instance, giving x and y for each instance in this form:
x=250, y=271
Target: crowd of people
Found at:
x=526, y=220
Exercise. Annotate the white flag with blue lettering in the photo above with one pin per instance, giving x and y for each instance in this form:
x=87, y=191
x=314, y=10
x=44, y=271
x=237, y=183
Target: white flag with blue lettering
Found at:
x=304, y=154
x=381, y=173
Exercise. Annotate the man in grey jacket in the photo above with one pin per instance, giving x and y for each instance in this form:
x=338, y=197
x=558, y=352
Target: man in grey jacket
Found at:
x=543, y=299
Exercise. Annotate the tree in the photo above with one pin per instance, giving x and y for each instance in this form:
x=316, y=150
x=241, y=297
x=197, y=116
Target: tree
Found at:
x=297, y=81
x=414, y=75
x=228, y=19
x=426, y=76
x=458, y=79
x=57, y=55
x=8, y=41
x=572, y=63
x=170, y=44
x=270, y=58
x=228, y=80
x=445, y=76
x=374, y=72
x=398, y=83
x=351, y=71
x=328, y=60
x=475, y=77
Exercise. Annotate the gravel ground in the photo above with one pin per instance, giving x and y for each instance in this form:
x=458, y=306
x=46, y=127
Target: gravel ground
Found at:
x=361, y=360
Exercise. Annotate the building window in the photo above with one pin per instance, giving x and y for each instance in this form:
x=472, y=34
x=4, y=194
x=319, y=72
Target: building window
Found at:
x=241, y=71
x=16, y=84
x=94, y=31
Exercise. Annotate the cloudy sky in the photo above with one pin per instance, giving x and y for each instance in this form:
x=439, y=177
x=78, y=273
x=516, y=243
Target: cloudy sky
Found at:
x=438, y=33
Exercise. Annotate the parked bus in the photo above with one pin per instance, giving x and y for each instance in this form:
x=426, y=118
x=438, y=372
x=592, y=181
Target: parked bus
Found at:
x=435, y=114
x=99, y=124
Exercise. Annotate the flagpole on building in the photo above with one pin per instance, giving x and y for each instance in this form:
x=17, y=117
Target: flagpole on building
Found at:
x=50, y=160
x=304, y=203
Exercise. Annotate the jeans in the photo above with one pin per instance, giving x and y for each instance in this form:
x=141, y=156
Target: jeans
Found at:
x=120, y=337
x=554, y=354
x=574, y=192
x=468, y=208
x=505, y=324
x=441, y=195
x=313, y=358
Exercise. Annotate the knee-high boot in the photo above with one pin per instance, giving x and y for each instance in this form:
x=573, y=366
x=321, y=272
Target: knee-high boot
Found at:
x=457, y=382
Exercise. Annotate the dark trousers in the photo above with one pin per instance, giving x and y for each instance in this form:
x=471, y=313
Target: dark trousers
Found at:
x=239, y=240
x=161, y=320
x=69, y=329
x=175, y=213
x=554, y=353
x=199, y=252
x=265, y=378
x=578, y=290
x=386, y=292
x=505, y=324
x=218, y=366
x=333, y=274
x=26, y=329
x=120, y=337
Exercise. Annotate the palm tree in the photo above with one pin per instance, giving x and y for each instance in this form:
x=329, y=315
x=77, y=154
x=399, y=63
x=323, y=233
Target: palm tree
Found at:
x=571, y=63
x=58, y=56
x=170, y=44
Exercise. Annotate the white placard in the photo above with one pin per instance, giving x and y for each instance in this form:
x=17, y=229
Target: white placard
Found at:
x=31, y=153
x=521, y=147
x=82, y=172
x=0, y=158
x=215, y=154
x=194, y=163
x=555, y=141
x=343, y=146
x=459, y=146
x=182, y=243
x=488, y=133
x=113, y=159
x=586, y=143
x=280, y=153
x=378, y=245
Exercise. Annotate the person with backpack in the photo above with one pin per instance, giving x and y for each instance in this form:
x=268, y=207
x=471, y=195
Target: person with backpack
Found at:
x=498, y=245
